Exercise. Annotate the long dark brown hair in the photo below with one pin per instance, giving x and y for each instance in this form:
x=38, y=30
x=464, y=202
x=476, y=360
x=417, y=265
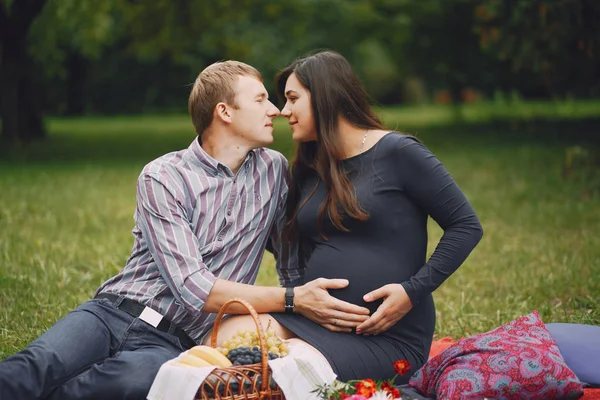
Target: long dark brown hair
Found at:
x=335, y=91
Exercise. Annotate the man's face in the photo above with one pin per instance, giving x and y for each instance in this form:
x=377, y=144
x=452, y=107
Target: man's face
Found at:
x=252, y=120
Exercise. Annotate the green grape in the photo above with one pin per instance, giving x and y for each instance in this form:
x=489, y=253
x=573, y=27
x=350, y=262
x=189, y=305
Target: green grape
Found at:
x=223, y=350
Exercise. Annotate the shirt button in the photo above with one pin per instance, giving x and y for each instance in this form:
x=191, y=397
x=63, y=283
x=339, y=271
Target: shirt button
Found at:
x=229, y=212
x=258, y=198
x=220, y=239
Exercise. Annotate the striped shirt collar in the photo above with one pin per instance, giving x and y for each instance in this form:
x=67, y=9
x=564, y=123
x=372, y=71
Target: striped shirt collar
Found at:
x=200, y=157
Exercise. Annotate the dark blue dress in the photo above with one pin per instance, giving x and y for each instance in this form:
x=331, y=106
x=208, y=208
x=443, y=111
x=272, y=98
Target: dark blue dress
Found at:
x=399, y=183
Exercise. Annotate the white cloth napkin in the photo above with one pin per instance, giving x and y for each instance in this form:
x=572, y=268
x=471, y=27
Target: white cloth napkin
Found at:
x=177, y=382
x=300, y=372
x=297, y=374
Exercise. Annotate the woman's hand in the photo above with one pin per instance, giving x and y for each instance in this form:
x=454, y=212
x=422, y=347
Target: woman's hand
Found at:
x=396, y=304
x=313, y=301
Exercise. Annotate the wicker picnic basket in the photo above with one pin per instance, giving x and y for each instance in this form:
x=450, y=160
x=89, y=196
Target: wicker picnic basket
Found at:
x=240, y=382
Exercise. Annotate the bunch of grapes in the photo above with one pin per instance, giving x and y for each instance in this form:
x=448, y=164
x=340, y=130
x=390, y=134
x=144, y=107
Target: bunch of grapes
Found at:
x=245, y=346
x=247, y=355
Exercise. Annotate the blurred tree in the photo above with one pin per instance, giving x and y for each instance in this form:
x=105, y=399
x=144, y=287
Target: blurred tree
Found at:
x=435, y=40
x=66, y=38
x=265, y=33
x=556, y=42
x=20, y=108
x=164, y=44
x=128, y=56
x=42, y=40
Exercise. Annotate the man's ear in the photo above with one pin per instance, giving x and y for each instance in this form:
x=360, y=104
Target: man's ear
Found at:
x=223, y=112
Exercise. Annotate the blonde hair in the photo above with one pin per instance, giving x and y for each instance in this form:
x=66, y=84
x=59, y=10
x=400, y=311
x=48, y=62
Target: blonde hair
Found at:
x=215, y=84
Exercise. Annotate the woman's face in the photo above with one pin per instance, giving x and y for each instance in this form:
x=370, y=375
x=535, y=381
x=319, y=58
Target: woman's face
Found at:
x=298, y=111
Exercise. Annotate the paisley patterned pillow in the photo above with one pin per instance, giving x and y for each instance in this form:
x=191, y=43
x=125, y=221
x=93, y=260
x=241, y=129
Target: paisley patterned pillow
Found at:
x=519, y=360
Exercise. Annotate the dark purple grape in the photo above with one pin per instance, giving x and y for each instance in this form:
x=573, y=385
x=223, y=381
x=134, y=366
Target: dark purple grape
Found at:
x=235, y=387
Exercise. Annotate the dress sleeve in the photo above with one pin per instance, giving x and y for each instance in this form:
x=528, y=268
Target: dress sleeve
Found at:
x=172, y=244
x=430, y=186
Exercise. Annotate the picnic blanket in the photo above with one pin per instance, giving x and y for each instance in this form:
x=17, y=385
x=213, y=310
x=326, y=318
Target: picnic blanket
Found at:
x=172, y=379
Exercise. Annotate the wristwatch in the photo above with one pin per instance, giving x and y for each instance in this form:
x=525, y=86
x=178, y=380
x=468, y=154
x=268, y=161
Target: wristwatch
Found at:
x=289, y=300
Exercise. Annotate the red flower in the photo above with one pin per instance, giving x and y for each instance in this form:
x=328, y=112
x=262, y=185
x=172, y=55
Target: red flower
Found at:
x=402, y=367
x=366, y=388
x=390, y=389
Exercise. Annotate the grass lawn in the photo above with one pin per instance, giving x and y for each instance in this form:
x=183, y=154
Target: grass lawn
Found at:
x=66, y=208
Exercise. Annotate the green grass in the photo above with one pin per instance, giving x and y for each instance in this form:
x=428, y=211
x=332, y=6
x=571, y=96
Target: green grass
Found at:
x=66, y=209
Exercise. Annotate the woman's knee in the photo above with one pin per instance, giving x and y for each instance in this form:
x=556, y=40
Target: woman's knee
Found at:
x=232, y=325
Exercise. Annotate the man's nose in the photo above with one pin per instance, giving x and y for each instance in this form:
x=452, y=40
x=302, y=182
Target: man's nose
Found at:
x=274, y=111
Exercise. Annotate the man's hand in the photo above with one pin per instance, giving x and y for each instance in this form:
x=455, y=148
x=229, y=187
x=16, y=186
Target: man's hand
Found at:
x=313, y=301
x=396, y=304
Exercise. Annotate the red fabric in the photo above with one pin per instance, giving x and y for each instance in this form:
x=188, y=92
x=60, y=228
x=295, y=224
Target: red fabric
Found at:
x=515, y=361
x=591, y=394
x=437, y=346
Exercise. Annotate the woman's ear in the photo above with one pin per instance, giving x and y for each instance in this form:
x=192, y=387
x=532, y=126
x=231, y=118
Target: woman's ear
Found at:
x=223, y=112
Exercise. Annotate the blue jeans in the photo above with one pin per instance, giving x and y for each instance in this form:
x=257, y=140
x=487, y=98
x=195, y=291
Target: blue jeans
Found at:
x=95, y=352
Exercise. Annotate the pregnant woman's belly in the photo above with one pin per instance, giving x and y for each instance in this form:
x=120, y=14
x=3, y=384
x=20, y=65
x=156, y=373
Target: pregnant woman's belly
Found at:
x=366, y=269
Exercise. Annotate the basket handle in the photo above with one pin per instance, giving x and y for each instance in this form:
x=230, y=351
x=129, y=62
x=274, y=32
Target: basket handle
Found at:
x=266, y=379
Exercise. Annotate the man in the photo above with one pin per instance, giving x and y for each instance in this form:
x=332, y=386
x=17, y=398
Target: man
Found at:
x=204, y=216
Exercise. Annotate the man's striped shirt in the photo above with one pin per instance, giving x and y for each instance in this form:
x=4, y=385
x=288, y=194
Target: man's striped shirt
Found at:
x=197, y=221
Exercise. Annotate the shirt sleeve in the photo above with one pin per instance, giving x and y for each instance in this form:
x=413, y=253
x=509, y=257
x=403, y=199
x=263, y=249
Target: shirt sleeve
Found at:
x=172, y=243
x=431, y=187
x=286, y=253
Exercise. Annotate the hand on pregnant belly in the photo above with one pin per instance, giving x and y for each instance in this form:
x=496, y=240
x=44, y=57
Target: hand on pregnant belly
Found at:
x=313, y=301
x=396, y=304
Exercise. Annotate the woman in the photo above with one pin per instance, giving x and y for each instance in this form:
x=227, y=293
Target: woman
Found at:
x=358, y=204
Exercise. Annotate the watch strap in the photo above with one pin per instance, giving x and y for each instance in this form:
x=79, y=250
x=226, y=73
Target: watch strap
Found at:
x=289, y=300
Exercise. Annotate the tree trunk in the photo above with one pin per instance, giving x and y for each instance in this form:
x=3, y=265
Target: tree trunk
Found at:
x=9, y=93
x=21, y=113
x=20, y=96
